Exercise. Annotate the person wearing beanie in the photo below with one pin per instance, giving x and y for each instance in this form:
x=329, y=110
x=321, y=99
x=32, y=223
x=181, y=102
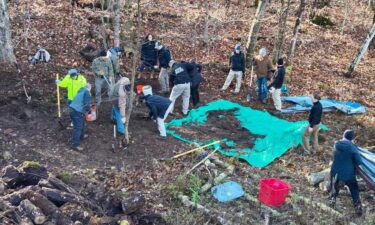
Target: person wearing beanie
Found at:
x=73, y=81
x=180, y=77
x=277, y=83
x=263, y=69
x=312, y=129
x=164, y=57
x=345, y=157
x=102, y=68
x=159, y=107
x=237, y=69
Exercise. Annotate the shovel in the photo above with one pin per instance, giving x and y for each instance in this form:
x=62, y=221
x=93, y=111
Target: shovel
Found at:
x=188, y=152
x=249, y=94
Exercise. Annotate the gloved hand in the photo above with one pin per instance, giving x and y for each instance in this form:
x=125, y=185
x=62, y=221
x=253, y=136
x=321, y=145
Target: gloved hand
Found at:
x=310, y=129
x=156, y=67
x=271, y=90
x=123, y=120
x=57, y=81
x=154, y=120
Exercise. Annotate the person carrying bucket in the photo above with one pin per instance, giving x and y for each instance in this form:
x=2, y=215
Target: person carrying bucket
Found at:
x=159, y=108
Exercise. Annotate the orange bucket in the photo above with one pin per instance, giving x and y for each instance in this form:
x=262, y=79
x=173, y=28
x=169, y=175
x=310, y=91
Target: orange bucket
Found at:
x=91, y=116
x=139, y=89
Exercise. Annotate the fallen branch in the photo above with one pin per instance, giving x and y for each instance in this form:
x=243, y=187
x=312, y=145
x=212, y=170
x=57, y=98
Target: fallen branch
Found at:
x=202, y=161
x=33, y=212
x=256, y=201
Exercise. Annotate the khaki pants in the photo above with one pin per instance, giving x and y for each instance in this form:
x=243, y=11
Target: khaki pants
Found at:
x=231, y=75
x=276, y=98
x=314, y=138
x=160, y=121
x=177, y=91
x=163, y=80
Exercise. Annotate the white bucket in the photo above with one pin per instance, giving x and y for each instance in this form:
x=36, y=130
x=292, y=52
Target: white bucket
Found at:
x=147, y=90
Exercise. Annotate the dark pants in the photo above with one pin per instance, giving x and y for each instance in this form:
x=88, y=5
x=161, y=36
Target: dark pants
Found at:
x=78, y=120
x=353, y=187
x=194, y=92
x=262, y=88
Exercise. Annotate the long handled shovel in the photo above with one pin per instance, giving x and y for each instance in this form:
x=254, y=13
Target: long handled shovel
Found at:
x=188, y=152
x=58, y=104
x=249, y=94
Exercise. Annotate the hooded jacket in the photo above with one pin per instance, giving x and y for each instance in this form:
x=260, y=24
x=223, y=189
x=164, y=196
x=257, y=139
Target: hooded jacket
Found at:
x=157, y=105
x=164, y=57
x=81, y=102
x=315, y=115
x=149, y=53
x=345, y=157
x=72, y=85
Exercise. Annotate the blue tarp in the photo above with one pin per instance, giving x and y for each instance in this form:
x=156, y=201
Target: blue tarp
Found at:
x=304, y=103
x=116, y=116
x=227, y=192
x=367, y=170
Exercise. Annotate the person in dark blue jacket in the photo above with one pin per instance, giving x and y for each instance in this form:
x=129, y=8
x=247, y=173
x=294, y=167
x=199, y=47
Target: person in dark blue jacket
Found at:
x=180, y=77
x=312, y=129
x=148, y=54
x=196, y=78
x=78, y=108
x=159, y=109
x=237, y=69
x=164, y=56
x=277, y=83
x=345, y=157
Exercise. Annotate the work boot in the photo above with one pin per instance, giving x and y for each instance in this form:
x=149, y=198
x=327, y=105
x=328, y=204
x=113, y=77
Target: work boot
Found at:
x=358, y=209
x=78, y=148
x=162, y=137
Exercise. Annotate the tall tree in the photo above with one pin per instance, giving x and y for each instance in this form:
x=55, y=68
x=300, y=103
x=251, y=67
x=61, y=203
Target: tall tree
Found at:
x=297, y=25
x=361, y=51
x=6, y=47
x=372, y=5
x=136, y=40
x=283, y=16
x=205, y=34
x=116, y=23
x=254, y=30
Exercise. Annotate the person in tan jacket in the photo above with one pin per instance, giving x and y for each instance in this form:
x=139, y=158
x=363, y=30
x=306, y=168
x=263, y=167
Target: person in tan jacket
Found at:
x=263, y=69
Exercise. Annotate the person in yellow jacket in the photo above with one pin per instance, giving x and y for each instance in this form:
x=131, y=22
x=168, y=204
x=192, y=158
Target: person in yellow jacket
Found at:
x=73, y=81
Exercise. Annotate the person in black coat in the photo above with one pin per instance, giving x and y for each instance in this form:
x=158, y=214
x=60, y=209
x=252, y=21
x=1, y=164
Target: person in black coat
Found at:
x=164, y=56
x=196, y=78
x=312, y=129
x=159, y=108
x=237, y=69
x=345, y=157
x=148, y=54
x=277, y=83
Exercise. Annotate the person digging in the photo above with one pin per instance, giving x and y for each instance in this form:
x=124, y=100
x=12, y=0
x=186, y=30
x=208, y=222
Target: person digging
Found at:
x=237, y=69
x=345, y=157
x=78, y=108
x=73, y=82
x=103, y=70
x=277, y=83
x=159, y=107
x=312, y=129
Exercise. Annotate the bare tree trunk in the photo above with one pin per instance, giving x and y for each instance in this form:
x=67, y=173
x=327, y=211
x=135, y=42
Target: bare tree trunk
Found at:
x=205, y=34
x=372, y=4
x=297, y=25
x=254, y=30
x=134, y=70
x=283, y=16
x=6, y=47
x=361, y=51
x=116, y=23
x=313, y=9
x=104, y=29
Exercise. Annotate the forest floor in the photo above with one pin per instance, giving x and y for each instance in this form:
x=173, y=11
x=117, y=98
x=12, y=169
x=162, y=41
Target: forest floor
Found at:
x=32, y=131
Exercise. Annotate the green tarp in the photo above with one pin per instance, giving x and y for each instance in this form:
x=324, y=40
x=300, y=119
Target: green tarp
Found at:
x=274, y=136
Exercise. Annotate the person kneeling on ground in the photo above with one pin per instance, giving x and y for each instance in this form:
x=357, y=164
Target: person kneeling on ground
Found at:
x=159, y=109
x=180, y=77
x=277, y=83
x=78, y=108
x=237, y=69
x=345, y=157
x=312, y=129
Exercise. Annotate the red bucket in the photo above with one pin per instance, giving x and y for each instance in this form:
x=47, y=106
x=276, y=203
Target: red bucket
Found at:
x=273, y=191
x=139, y=89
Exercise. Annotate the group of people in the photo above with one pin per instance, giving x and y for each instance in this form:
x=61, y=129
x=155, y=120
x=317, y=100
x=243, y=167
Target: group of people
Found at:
x=185, y=78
